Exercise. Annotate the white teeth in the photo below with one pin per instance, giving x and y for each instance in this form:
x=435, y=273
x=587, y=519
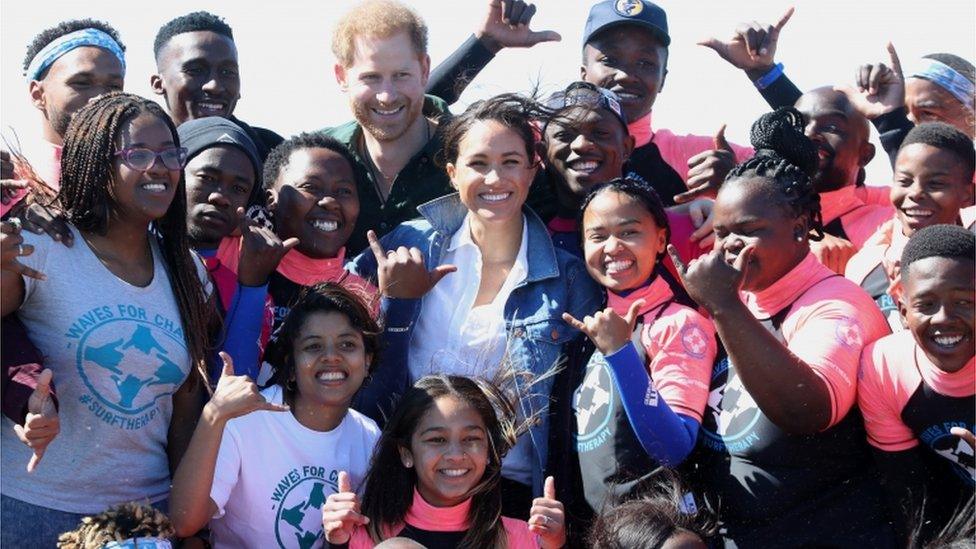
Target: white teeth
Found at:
x=326, y=226
x=948, y=341
x=625, y=95
x=154, y=187
x=389, y=112
x=331, y=376
x=210, y=106
x=918, y=212
x=496, y=197
x=619, y=265
x=454, y=472
x=585, y=166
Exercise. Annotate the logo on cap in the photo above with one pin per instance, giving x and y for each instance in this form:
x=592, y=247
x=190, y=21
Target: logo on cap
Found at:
x=628, y=8
x=226, y=138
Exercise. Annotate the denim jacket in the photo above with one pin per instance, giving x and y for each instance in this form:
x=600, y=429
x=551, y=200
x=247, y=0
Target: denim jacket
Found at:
x=556, y=282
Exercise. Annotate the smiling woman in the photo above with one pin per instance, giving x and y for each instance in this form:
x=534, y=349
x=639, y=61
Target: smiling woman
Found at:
x=127, y=354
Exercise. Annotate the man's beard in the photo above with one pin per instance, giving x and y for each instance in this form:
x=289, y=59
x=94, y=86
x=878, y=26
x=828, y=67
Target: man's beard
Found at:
x=60, y=121
x=364, y=116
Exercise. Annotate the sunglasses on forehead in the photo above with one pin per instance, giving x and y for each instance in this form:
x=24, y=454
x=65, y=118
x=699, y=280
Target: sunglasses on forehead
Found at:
x=141, y=158
x=585, y=94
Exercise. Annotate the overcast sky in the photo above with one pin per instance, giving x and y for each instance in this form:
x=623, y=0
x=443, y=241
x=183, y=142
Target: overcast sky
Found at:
x=288, y=82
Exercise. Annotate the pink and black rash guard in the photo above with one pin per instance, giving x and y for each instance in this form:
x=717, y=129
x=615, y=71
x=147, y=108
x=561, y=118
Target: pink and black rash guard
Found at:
x=908, y=403
x=776, y=488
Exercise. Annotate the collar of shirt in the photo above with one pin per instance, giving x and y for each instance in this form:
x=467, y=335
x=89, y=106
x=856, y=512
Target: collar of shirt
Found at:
x=952, y=384
x=437, y=519
x=786, y=290
x=304, y=270
x=446, y=215
x=834, y=204
x=654, y=295
x=641, y=130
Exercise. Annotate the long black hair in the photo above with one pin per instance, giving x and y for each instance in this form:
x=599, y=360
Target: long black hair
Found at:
x=390, y=485
x=87, y=177
x=788, y=159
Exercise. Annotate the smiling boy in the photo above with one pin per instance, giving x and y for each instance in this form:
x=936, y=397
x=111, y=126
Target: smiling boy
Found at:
x=917, y=384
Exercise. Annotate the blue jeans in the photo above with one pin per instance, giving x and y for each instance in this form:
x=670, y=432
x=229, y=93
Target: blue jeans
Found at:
x=27, y=526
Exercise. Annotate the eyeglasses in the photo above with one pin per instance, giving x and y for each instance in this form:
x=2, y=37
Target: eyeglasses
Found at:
x=141, y=158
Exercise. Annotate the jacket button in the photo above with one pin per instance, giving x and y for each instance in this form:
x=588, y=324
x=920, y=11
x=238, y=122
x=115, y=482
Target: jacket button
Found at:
x=555, y=334
x=518, y=332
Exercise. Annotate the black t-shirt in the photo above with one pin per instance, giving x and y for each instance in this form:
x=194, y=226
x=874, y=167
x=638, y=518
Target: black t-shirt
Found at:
x=780, y=490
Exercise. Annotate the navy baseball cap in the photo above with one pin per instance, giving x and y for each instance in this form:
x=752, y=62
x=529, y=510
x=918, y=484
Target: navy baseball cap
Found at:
x=610, y=13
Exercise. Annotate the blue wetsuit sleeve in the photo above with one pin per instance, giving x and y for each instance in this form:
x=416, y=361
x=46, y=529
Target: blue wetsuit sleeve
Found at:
x=666, y=436
x=243, y=329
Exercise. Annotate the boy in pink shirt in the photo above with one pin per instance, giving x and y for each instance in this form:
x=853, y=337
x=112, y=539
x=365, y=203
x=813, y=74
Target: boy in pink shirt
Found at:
x=933, y=184
x=916, y=387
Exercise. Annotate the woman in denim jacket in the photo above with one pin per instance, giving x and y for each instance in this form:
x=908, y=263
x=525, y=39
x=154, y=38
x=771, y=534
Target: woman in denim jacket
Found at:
x=497, y=287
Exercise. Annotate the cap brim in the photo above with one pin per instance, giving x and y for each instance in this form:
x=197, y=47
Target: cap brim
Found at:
x=657, y=31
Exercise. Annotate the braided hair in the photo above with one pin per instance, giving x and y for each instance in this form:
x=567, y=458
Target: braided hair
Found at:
x=787, y=159
x=88, y=174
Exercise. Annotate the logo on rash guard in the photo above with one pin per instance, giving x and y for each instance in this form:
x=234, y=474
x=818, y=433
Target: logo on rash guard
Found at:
x=297, y=500
x=952, y=448
x=848, y=333
x=129, y=359
x=731, y=414
x=694, y=340
x=593, y=404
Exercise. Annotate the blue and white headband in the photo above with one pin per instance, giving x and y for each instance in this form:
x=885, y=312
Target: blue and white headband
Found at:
x=63, y=44
x=948, y=78
x=140, y=543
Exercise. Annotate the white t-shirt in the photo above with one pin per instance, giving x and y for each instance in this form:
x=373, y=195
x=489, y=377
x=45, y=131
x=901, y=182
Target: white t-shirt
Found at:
x=118, y=354
x=454, y=337
x=273, y=474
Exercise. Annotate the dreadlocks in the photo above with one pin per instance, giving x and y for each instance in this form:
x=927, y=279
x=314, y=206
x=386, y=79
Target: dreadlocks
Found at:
x=87, y=175
x=788, y=159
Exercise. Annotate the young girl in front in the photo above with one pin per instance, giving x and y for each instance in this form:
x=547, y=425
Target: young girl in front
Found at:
x=261, y=464
x=435, y=477
x=635, y=401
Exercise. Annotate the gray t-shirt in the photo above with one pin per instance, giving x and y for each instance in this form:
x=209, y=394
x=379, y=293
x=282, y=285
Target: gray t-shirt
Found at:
x=118, y=354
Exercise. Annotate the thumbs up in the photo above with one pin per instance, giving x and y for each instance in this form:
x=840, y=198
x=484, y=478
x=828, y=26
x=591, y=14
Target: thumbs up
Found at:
x=340, y=514
x=42, y=423
x=548, y=518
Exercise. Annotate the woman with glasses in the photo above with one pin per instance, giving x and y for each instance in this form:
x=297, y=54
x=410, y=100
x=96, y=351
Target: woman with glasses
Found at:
x=122, y=318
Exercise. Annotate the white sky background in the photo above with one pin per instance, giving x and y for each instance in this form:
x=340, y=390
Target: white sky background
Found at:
x=288, y=83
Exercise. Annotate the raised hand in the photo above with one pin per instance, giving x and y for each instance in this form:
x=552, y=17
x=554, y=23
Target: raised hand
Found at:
x=41, y=219
x=878, y=88
x=42, y=423
x=12, y=247
x=964, y=434
x=340, y=513
x=707, y=170
x=236, y=396
x=833, y=252
x=402, y=273
x=548, y=518
x=709, y=280
x=701, y=212
x=261, y=251
x=752, y=47
x=606, y=329
x=506, y=25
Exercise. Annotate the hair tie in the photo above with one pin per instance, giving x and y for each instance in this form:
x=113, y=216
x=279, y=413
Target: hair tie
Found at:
x=77, y=39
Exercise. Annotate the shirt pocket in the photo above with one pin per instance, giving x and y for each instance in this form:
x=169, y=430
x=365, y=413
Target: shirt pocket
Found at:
x=537, y=345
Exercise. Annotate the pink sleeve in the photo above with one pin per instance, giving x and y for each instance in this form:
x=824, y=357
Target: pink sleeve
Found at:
x=681, y=231
x=360, y=539
x=17, y=197
x=681, y=346
x=828, y=335
x=861, y=224
x=878, y=396
x=872, y=194
x=676, y=150
x=518, y=534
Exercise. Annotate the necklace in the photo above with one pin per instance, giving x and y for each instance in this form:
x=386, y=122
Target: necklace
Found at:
x=379, y=175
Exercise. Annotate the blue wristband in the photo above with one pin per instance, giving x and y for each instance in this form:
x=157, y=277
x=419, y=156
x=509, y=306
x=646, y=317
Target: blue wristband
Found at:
x=765, y=80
